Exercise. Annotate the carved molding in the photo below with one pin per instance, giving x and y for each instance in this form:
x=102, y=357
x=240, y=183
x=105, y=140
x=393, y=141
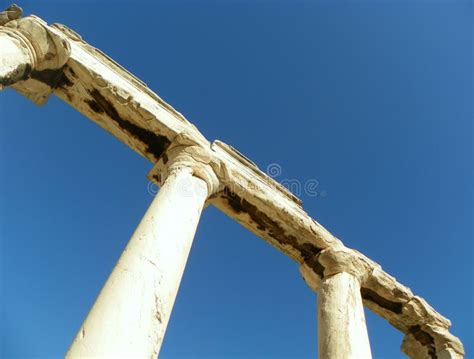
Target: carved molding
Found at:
x=184, y=151
x=47, y=53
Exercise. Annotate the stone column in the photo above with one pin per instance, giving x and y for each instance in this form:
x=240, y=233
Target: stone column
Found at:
x=130, y=315
x=17, y=53
x=342, y=331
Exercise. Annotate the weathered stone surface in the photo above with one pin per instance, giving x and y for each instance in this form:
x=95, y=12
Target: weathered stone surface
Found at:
x=420, y=348
x=385, y=296
x=185, y=151
x=13, y=12
x=33, y=56
x=427, y=334
x=430, y=341
x=418, y=312
x=449, y=354
x=342, y=331
x=342, y=259
x=443, y=339
x=123, y=105
x=131, y=313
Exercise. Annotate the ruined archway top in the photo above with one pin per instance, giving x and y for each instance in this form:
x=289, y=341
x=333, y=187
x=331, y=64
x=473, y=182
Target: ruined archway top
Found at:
x=109, y=95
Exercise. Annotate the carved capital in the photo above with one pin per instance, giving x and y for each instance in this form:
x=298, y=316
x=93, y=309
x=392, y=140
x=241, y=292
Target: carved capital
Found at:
x=34, y=55
x=336, y=260
x=50, y=50
x=186, y=152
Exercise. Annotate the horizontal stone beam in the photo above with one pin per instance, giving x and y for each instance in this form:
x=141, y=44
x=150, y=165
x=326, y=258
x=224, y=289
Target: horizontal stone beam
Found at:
x=124, y=106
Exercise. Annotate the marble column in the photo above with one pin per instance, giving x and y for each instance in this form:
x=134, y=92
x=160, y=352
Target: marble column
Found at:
x=131, y=313
x=336, y=278
x=342, y=331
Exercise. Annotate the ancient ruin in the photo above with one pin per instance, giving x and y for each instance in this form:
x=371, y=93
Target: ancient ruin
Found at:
x=38, y=60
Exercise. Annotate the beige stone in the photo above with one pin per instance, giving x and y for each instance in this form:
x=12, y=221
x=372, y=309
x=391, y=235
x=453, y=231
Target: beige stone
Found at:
x=431, y=341
x=130, y=316
x=39, y=59
x=342, y=332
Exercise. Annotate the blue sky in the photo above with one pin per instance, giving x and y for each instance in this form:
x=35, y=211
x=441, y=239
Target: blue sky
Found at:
x=371, y=99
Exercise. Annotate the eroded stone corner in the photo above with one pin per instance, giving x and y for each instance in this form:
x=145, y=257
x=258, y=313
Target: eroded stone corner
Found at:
x=40, y=69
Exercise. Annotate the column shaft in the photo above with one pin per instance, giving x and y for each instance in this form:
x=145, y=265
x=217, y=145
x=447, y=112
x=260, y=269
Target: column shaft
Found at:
x=342, y=332
x=130, y=315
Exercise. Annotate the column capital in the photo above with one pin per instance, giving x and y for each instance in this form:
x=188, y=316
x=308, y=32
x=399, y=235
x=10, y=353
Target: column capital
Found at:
x=34, y=54
x=334, y=260
x=187, y=152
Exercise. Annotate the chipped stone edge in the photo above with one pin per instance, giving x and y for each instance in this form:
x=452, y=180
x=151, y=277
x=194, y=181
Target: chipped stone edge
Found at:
x=47, y=51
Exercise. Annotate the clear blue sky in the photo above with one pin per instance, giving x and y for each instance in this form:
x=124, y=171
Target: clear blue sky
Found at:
x=372, y=99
